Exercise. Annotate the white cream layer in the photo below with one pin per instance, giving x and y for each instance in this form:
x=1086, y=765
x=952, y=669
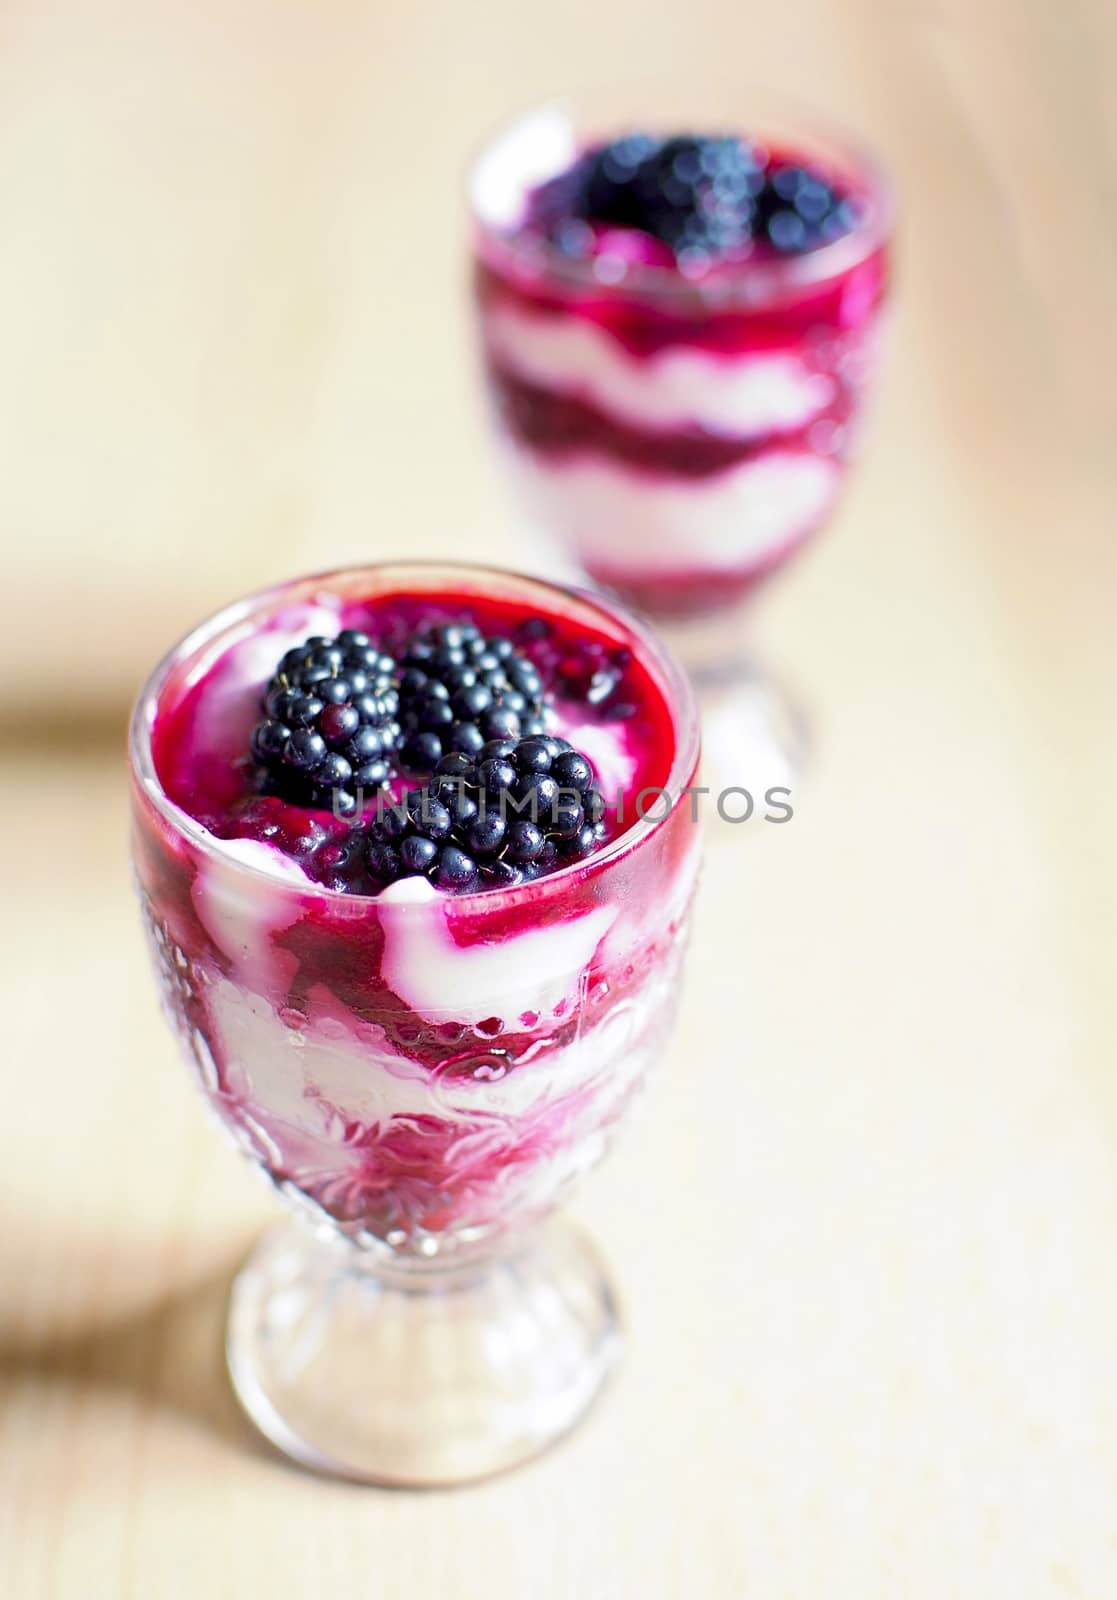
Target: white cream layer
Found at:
x=304, y=1095
x=532, y=971
x=241, y=914
x=307, y=1076
x=619, y=519
x=741, y=396
x=440, y=980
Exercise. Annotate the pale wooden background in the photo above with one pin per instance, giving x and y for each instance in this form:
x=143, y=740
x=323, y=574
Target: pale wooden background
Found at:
x=866, y=1226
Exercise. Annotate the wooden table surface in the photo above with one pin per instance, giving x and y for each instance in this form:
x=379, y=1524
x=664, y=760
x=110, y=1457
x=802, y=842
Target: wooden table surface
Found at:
x=865, y=1227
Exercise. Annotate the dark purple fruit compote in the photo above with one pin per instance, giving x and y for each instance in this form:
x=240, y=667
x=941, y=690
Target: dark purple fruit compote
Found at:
x=678, y=328
x=411, y=923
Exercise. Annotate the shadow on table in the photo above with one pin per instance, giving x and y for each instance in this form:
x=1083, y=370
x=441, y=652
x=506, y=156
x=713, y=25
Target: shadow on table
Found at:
x=168, y=1354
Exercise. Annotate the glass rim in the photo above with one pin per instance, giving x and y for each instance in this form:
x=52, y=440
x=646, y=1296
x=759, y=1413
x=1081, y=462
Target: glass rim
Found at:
x=748, y=285
x=672, y=681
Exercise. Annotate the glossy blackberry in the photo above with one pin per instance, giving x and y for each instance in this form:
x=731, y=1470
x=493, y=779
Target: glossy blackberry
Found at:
x=527, y=807
x=798, y=210
x=339, y=864
x=459, y=688
x=331, y=724
x=695, y=195
x=702, y=197
x=525, y=841
x=417, y=839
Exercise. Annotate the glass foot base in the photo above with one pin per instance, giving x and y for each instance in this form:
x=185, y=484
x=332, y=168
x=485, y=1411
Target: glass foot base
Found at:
x=419, y=1372
x=754, y=740
x=754, y=734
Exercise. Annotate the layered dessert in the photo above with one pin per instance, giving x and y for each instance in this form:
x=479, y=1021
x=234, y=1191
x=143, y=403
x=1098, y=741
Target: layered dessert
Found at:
x=677, y=331
x=416, y=877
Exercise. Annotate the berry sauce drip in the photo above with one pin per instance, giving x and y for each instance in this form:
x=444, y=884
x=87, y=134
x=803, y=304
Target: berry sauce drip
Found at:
x=704, y=199
x=473, y=782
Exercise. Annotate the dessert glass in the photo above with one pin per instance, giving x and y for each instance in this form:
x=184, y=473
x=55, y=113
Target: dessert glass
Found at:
x=421, y=1076
x=679, y=438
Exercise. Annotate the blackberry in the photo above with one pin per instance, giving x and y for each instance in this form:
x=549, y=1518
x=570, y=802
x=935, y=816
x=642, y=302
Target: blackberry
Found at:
x=527, y=807
x=456, y=869
x=573, y=770
x=417, y=853
x=702, y=197
x=459, y=688
x=339, y=864
x=485, y=834
x=537, y=792
x=500, y=874
x=427, y=815
x=417, y=840
x=331, y=722
x=525, y=841
x=798, y=210
x=695, y=195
